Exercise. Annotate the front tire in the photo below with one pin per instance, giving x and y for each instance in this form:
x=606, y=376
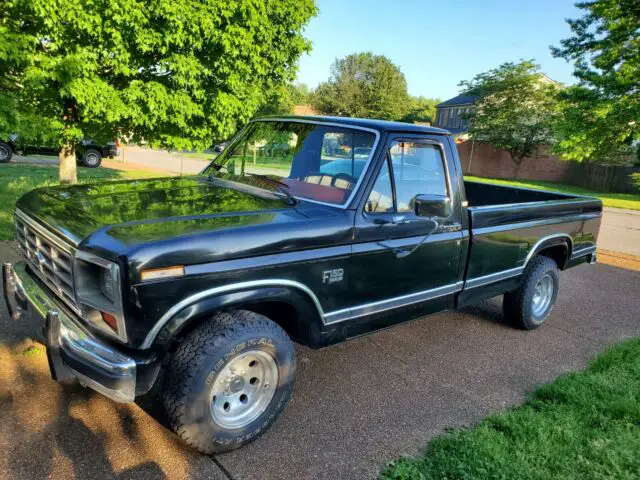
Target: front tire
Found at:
x=91, y=158
x=228, y=381
x=529, y=305
x=5, y=152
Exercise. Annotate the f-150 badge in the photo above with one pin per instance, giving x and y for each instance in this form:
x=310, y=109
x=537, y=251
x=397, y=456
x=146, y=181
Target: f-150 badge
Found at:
x=332, y=276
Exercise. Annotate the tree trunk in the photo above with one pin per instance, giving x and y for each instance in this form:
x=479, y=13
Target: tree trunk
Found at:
x=67, y=158
x=518, y=165
x=518, y=160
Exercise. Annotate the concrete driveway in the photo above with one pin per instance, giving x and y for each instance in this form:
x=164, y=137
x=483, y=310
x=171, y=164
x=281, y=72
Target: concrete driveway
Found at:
x=355, y=406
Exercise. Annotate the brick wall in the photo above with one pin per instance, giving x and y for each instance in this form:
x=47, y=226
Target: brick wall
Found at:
x=488, y=161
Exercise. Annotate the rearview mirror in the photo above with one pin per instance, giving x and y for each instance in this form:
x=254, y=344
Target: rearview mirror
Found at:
x=432, y=206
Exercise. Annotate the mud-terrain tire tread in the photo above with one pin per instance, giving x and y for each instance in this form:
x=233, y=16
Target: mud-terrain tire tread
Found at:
x=204, y=340
x=516, y=304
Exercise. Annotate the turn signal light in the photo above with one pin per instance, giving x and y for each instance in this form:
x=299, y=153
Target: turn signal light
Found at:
x=157, y=273
x=110, y=320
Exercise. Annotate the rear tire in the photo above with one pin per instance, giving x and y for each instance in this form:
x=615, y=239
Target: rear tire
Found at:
x=5, y=152
x=529, y=305
x=228, y=381
x=91, y=158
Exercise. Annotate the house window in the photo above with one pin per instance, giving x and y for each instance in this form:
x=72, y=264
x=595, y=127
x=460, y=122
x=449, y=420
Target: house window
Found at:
x=445, y=116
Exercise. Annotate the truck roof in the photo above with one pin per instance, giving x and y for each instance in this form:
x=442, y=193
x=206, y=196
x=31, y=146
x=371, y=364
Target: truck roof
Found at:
x=380, y=125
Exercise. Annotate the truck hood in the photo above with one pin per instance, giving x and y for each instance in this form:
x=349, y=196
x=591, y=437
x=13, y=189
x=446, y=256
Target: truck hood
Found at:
x=135, y=211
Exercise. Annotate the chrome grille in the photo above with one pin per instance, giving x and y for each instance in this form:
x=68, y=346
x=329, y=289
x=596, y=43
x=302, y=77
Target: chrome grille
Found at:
x=49, y=258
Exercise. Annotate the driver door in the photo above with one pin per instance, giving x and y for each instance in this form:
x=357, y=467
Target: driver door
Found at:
x=400, y=258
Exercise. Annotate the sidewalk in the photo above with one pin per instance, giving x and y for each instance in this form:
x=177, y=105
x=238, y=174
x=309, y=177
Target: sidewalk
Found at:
x=620, y=231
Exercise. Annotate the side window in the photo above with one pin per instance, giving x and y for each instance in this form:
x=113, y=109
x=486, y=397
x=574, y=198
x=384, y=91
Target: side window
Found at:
x=418, y=168
x=381, y=197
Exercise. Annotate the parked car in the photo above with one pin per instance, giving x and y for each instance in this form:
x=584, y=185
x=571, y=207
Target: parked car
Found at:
x=6, y=152
x=219, y=147
x=211, y=278
x=89, y=153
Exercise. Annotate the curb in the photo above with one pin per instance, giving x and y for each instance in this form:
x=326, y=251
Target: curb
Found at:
x=620, y=260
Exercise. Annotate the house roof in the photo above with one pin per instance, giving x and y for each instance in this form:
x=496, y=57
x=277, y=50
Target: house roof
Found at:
x=380, y=125
x=462, y=99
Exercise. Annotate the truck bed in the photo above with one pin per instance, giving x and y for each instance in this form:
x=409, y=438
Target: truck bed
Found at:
x=507, y=225
x=498, y=206
x=484, y=194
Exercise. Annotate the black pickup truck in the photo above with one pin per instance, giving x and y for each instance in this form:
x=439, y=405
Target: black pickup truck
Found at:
x=88, y=152
x=305, y=229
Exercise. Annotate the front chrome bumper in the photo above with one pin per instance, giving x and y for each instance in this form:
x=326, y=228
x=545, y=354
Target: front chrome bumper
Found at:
x=72, y=351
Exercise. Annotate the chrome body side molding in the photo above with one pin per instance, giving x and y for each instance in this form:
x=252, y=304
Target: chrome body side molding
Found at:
x=583, y=251
x=234, y=287
x=389, y=303
x=299, y=256
x=535, y=247
x=493, y=277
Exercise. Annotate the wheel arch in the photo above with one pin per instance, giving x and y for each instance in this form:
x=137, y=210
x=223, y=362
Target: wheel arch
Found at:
x=558, y=247
x=296, y=309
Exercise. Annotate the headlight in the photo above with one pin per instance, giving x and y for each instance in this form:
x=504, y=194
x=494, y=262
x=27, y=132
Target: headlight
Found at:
x=98, y=292
x=106, y=283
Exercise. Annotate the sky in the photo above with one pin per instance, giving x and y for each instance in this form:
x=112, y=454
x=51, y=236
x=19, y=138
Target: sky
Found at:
x=437, y=44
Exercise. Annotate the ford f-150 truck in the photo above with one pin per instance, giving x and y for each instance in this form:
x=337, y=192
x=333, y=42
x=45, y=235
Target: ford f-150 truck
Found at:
x=305, y=229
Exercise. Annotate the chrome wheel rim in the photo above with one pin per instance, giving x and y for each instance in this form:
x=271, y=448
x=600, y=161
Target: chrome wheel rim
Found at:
x=543, y=295
x=92, y=159
x=243, y=389
x=4, y=153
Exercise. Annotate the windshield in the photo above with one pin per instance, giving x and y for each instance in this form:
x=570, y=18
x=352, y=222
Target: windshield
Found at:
x=313, y=161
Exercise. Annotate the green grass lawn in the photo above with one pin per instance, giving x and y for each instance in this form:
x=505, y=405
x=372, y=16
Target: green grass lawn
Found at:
x=269, y=163
x=16, y=180
x=585, y=425
x=616, y=200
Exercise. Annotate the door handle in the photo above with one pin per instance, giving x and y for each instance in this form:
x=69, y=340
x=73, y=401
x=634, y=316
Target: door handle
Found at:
x=396, y=220
x=402, y=252
x=399, y=220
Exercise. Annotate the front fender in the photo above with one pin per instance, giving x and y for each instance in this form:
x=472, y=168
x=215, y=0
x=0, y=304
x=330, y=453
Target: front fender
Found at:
x=308, y=310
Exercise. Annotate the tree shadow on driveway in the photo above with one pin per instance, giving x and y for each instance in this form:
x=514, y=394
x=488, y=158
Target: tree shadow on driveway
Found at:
x=53, y=430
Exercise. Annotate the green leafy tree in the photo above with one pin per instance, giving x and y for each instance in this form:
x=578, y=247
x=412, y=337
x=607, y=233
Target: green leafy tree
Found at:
x=421, y=109
x=363, y=85
x=174, y=73
x=635, y=179
x=283, y=99
x=278, y=102
x=515, y=109
x=601, y=115
x=300, y=93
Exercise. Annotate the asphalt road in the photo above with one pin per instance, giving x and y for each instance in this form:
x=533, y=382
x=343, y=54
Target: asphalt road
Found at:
x=355, y=407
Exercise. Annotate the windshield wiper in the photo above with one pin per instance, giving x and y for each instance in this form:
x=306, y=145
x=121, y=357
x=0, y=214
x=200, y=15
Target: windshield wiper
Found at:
x=278, y=185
